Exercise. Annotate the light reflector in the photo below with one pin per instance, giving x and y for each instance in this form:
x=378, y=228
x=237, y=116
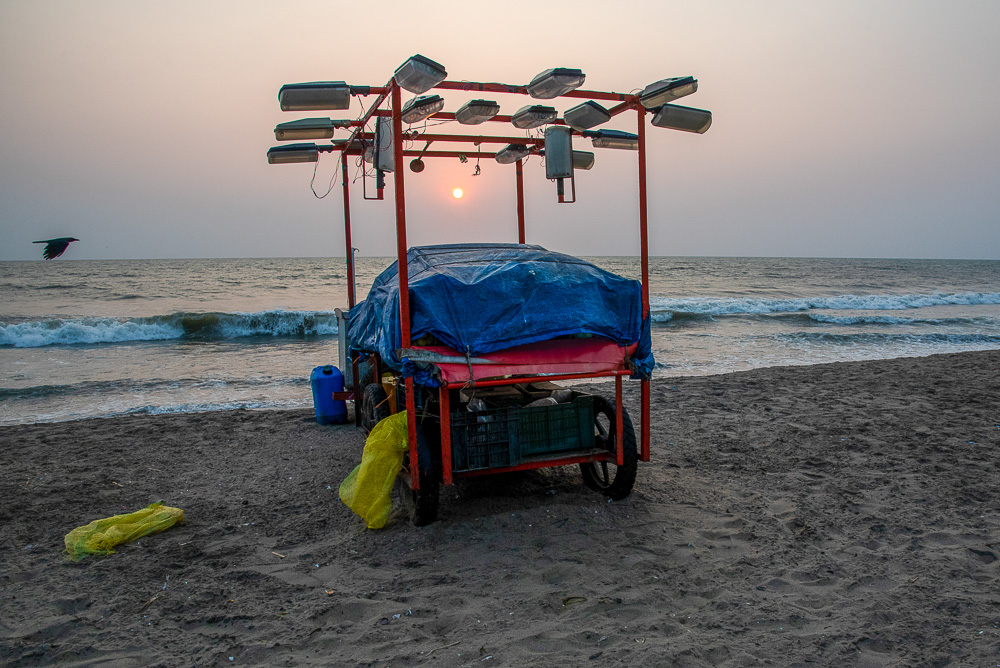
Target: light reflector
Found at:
x=307, y=128
x=555, y=82
x=512, y=153
x=583, y=159
x=280, y=155
x=676, y=117
x=587, y=115
x=533, y=116
x=615, y=139
x=314, y=96
x=421, y=108
x=667, y=90
x=419, y=74
x=475, y=112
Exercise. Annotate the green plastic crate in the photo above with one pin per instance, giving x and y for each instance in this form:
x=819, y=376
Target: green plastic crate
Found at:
x=499, y=437
x=484, y=439
x=544, y=429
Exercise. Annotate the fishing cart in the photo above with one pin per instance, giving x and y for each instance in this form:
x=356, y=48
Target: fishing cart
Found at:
x=471, y=340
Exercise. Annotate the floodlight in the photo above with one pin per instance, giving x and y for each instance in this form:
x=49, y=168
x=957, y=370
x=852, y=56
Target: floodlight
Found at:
x=676, y=117
x=667, y=90
x=614, y=139
x=421, y=108
x=533, y=116
x=583, y=159
x=314, y=96
x=308, y=128
x=419, y=74
x=555, y=82
x=587, y=115
x=558, y=152
x=512, y=153
x=475, y=112
x=280, y=155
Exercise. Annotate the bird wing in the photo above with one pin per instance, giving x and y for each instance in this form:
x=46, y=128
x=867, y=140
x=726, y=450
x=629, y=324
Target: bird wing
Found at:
x=54, y=249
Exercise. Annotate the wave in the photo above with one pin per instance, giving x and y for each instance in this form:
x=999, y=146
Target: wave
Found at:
x=892, y=320
x=133, y=387
x=665, y=309
x=182, y=325
x=869, y=338
x=211, y=407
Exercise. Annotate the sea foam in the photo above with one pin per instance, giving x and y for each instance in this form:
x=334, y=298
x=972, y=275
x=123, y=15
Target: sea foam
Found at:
x=201, y=326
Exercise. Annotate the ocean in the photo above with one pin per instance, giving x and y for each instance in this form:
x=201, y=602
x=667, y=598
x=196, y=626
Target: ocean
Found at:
x=83, y=339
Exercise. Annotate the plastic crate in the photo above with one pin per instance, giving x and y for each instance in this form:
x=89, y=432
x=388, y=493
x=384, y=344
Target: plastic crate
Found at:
x=484, y=439
x=543, y=429
x=499, y=437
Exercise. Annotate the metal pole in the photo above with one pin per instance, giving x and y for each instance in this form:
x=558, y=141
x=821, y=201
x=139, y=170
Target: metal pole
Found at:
x=520, y=201
x=644, y=250
x=347, y=231
x=404, y=279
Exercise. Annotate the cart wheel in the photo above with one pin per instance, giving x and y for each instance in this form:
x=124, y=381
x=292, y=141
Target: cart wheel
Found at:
x=374, y=406
x=425, y=499
x=606, y=477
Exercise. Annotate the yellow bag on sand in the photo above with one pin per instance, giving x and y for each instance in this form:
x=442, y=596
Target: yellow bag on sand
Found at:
x=367, y=490
x=100, y=536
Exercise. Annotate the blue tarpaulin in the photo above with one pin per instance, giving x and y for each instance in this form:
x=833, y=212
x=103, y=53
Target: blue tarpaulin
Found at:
x=479, y=298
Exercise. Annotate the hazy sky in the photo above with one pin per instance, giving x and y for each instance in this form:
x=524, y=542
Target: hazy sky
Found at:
x=861, y=128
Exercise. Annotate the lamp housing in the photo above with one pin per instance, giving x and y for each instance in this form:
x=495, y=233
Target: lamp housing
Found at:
x=615, y=139
x=475, y=112
x=289, y=153
x=307, y=128
x=314, y=96
x=583, y=159
x=555, y=82
x=533, y=116
x=587, y=115
x=512, y=153
x=667, y=90
x=419, y=74
x=676, y=117
x=421, y=108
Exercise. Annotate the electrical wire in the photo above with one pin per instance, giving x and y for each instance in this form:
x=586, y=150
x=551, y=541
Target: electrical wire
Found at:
x=312, y=182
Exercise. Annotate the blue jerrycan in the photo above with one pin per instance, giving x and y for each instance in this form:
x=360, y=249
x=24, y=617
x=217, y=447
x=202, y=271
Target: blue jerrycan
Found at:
x=325, y=381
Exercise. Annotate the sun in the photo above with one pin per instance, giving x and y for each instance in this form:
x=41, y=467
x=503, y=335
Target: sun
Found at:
x=457, y=193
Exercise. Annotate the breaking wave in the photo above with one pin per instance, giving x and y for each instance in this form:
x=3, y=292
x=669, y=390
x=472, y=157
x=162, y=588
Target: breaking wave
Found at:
x=668, y=309
x=195, y=326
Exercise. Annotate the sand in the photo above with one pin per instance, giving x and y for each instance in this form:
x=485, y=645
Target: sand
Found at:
x=842, y=514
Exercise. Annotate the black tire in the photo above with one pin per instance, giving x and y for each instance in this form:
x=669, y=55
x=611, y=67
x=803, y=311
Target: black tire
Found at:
x=374, y=406
x=425, y=499
x=614, y=482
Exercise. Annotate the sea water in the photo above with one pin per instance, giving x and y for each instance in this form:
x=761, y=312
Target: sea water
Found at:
x=101, y=338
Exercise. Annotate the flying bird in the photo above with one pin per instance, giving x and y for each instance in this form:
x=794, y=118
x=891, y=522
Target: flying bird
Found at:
x=55, y=247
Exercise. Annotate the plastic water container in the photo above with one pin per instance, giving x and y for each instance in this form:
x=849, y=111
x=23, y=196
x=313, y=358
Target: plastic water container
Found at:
x=325, y=381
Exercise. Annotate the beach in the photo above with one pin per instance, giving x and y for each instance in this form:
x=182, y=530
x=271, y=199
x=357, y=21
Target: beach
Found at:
x=838, y=514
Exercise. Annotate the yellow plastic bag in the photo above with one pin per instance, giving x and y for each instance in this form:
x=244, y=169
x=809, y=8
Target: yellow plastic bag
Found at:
x=367, y=490
x=101, y=536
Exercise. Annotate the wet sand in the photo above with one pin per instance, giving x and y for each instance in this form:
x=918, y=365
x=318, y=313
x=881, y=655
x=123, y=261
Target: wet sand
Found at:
x=841, y=514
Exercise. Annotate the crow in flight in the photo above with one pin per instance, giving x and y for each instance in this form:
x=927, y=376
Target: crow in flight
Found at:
x=55, y=247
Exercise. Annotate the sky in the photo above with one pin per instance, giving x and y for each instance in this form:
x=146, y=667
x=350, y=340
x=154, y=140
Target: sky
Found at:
x=842, y=128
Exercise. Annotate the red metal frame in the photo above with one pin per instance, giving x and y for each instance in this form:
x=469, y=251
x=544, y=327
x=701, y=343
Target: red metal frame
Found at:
x=355, y=146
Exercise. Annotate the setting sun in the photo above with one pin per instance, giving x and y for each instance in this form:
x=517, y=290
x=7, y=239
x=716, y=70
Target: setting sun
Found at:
x=457, y=193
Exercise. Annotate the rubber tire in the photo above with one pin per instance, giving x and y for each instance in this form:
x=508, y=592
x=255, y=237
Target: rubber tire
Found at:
x=599, y=476
x=425, y=499
x=374, y=406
